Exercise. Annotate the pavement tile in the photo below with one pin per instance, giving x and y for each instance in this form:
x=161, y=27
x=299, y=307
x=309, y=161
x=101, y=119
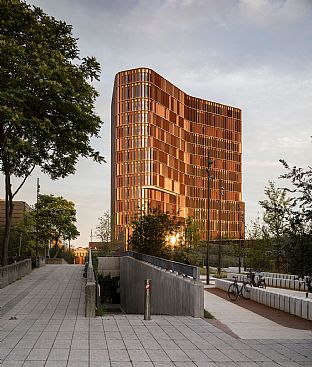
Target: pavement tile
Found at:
x=18, y=354
x=99, y=355
x=51, y=363
x=12, y=363
x=120, y=355
x=138, y=355
x=77, y=364
x=217, y=356
x=38, y=354
x=196, y=355
x=81, y=344
x=115, y=344
x=58, y=354
x=34, y=364
x=158, y=356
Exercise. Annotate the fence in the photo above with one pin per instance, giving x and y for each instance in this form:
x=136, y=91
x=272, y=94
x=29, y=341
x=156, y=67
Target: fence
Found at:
x=184, y=269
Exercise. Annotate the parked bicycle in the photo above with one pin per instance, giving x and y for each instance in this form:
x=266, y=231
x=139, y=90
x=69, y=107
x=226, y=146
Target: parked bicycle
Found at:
x=307, y=281
x=235, y=290
x=256, y=279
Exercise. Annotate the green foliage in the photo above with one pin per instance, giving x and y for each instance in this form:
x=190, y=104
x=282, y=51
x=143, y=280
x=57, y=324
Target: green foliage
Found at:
x=257, y=250
x=152, y=231
x=46, y=99
x=299, y=236
x=187, y=248
x=55, y=218
x=277, y=207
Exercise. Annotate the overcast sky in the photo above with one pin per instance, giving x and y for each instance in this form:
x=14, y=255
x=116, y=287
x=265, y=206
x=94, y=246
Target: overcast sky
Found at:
x=251, y=54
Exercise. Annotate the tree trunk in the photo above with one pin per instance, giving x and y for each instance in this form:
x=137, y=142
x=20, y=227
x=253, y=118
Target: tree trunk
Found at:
x=8, y=218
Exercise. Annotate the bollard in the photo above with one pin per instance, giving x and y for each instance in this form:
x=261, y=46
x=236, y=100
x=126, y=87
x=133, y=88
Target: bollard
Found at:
x=147, y=300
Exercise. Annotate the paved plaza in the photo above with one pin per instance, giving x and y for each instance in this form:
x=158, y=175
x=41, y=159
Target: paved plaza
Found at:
x=42, y=323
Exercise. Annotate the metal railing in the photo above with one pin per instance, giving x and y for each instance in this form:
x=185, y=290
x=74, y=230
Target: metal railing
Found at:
x=180, y=268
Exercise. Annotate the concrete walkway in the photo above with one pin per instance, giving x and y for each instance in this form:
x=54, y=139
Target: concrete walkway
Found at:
x=249, y=325
x=42, y=323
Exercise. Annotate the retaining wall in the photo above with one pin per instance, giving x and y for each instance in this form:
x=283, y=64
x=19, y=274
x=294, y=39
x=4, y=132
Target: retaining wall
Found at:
x=171, y=294
x=299, y=306
x=109, y=265
x=11, y=273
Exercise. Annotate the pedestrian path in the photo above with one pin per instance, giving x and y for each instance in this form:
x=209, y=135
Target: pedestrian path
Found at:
x=247, y=324
x=43, y=324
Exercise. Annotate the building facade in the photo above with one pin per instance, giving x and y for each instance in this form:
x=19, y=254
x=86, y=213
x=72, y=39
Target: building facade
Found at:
x=20, y=208
x=161, y=138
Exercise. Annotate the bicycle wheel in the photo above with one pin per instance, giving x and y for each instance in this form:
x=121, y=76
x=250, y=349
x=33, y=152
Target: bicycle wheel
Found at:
x=245, y=291
x=233, y=292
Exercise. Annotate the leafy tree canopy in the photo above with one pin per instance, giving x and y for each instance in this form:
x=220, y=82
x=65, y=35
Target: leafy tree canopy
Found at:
x=46, y=100
x=55, y=218
x=152, y=231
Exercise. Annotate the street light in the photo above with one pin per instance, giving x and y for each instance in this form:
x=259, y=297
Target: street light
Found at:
x=210, y=162
x=37, y=229
x=221, y=193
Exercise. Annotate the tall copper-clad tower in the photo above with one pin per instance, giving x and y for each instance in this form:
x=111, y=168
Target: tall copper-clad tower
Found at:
x=161, y=138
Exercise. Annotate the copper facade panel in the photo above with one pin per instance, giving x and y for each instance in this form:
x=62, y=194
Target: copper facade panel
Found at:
x=160, y=142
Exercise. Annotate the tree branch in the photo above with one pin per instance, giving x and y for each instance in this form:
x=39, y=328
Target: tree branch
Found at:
x=25, y=178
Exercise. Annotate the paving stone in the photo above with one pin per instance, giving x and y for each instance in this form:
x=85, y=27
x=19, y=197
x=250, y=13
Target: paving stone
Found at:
x=51, y=363
x=57, y=354
x=38, y=354
x=18, y=354
x=158, y=356
x=34, y=364
x=99, y=355
x=138, y=355
x=120, y=355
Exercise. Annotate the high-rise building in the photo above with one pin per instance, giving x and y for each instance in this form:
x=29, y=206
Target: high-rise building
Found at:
x=161, y=138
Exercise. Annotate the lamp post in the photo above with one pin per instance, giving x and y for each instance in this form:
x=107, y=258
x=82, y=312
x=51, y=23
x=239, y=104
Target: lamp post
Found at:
x=221, y=193
x=37, y=229
x=210, y=162
x=240, y=239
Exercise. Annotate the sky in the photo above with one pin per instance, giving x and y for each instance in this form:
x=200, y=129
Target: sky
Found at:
x=252, y=54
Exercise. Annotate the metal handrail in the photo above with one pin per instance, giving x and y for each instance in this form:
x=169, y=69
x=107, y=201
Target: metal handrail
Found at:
x=180, y=268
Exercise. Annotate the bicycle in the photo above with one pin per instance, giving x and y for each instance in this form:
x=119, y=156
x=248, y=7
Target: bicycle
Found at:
x=256, y=279
x=234, y=291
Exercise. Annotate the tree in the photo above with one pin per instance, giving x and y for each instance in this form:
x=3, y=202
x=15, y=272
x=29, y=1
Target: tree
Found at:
x=55, y=218
x=152, y=231
x=104, y=228
x=258, y=250
x=299, y=244
x=104, y=231
x=276, y=219
x=190, y=240
x=46, y=100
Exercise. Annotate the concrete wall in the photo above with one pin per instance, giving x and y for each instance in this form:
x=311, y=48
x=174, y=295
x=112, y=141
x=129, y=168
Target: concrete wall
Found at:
x=109, y=265
x=13, y=272
x=56, y=261
x=171, y=294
